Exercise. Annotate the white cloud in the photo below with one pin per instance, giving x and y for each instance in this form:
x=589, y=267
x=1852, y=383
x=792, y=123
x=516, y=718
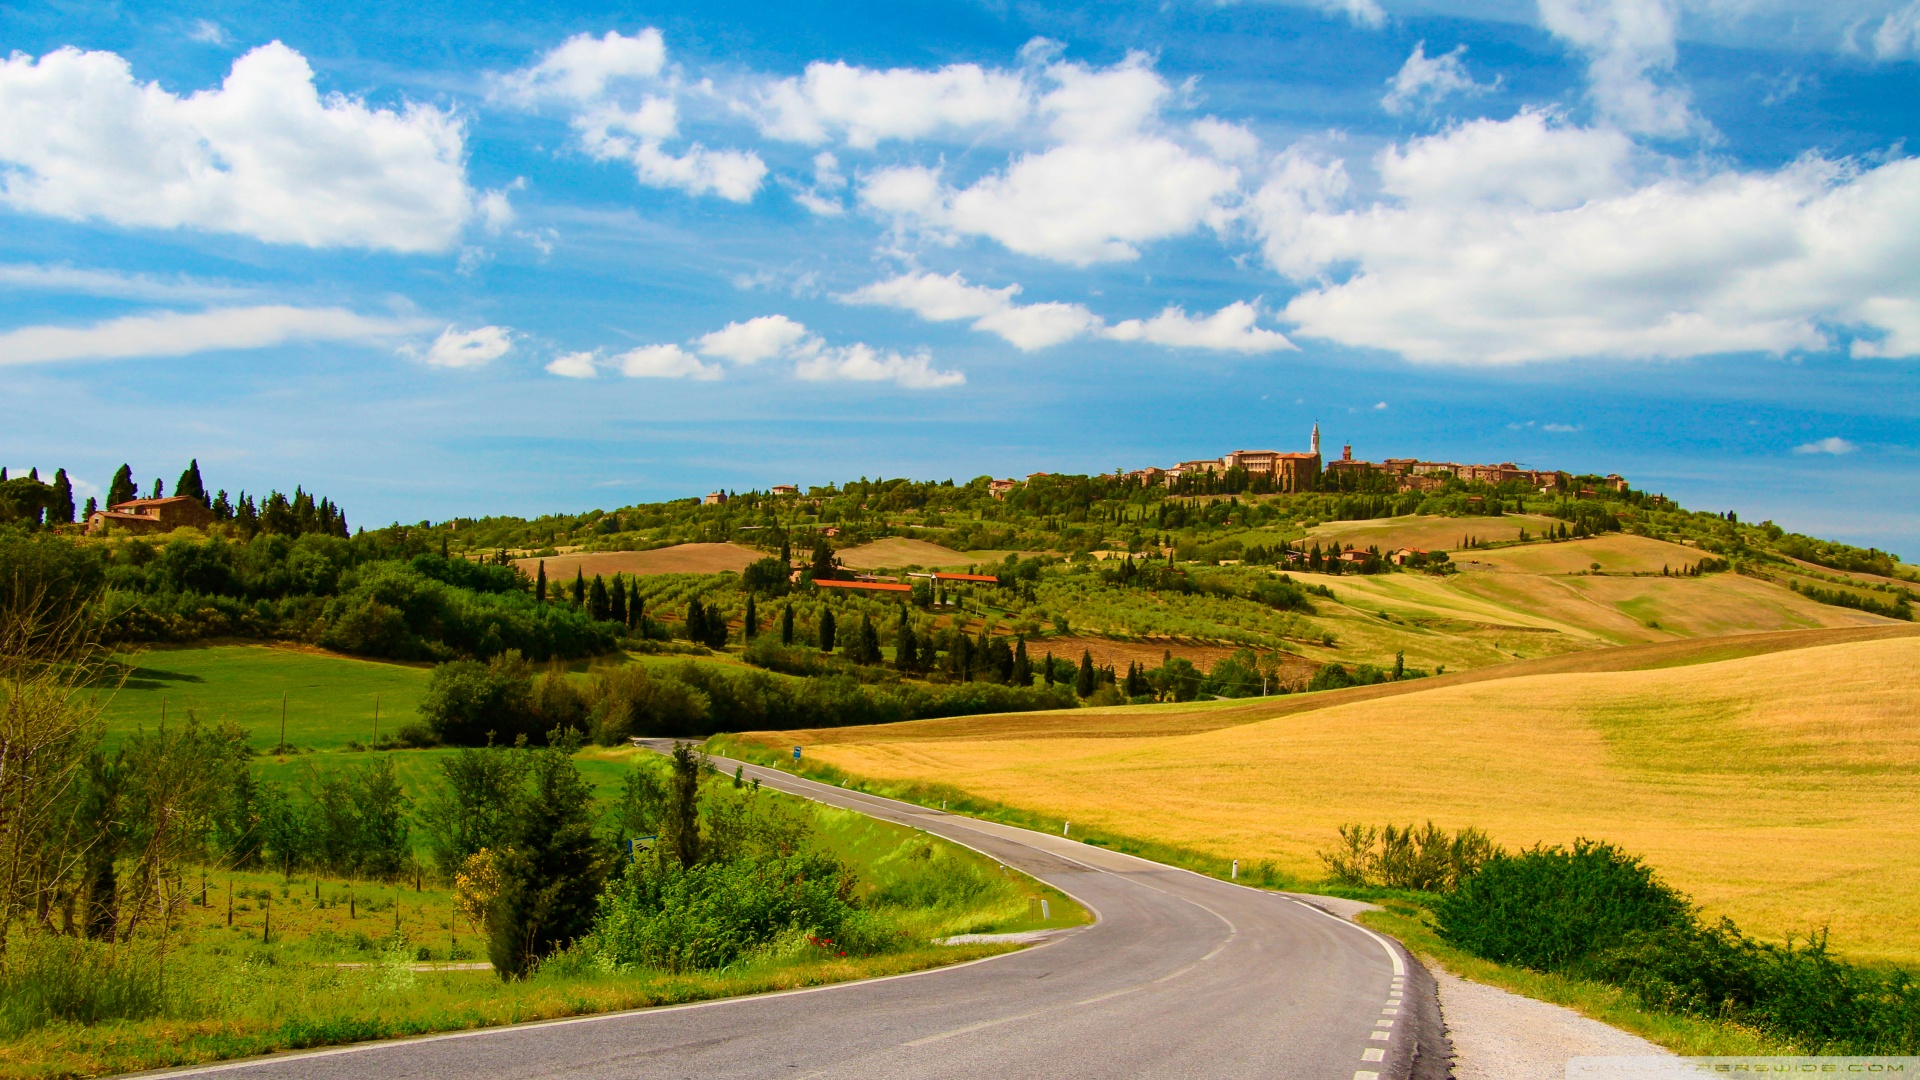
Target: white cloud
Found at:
x=1231, y=329
x=1560, y=429
x=665, y=362
x=1380, y=405
x=949, y=298
x=468, y=348
x=1367, y=13
x=264, y=155
x=580, y=68
x=575, y=365
x=68, y=279
x=208, y=32
x=624, y=104
x=1424, y=81
x=174, y=333
x=1112, y=180
x=1531, y=239
x=864, y=106
x=863, y=363
x=1898, y=34
x=750, y=342
x=1629, y=45
x=1832, y=444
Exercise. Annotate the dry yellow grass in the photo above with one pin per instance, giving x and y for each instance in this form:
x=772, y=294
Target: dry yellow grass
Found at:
x=1617, y=554
x=900, y=551
x=1777, y=789
x=1430, y=532
x=678, y=559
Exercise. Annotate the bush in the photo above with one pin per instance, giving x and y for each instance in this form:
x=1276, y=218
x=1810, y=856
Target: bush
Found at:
x=1548, y=908
x=50, y=978
x=1422, y=860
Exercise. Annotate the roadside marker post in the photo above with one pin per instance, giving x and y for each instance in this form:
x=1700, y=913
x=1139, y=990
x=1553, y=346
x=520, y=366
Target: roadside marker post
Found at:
x=1065, y=826
x=1236, y=869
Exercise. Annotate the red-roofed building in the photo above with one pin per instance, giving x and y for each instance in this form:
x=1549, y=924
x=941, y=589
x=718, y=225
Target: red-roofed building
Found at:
x=966, y=577
x=153, y=515
x=865, y=586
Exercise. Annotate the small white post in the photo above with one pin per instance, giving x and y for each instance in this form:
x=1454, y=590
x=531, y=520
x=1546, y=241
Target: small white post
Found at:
x=1236, y=869
x=1044, y=913
x=1064, y=826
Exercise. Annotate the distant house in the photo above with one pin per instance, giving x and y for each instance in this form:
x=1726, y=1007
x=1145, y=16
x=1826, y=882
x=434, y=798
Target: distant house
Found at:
x=999, y=488
x=784, y=489
x=1404, y=555
x=715, y=498
x=1355, y=556
x=153, y=515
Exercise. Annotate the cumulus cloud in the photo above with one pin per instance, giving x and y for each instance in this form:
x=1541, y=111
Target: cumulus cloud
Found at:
x=863, y=363
x=1833, y=444
x=575, y=365
x=1424, y=81
x=1231, y=329
x=750, y=342
x=624, y=106
x=264, y=155
x=175, y=333
x=468, y=348
x=1115, y=176
x=664, y=362
x=950, y=298
x=1629, y=46
x=1531, y=238
x=864, y=106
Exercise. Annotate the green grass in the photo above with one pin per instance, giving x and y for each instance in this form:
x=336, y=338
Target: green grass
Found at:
x=330, y=699
x=294, y=969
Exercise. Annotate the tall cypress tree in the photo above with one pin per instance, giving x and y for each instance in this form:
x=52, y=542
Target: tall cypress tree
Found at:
x=599, y=604
x=120, y=488
x=750, y=625
x=1022, y=667
x=159, y=489
x=786, y=625
x=716, y=629
x=637, y=612
x=617, y=597
x=579, y=587
x=1048, y=673
x=869, y=641
x=696, y=622
x=540, y=583
x=60, y=512
x=826, y=630
x=1088, y=678
x=550, y=873
x=822, y=561
x=190, y=485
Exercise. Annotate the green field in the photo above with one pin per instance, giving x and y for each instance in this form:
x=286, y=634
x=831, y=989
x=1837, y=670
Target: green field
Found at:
x=330, y=699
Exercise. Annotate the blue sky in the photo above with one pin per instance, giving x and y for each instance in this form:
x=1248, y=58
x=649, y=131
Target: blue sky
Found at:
x=558, y=257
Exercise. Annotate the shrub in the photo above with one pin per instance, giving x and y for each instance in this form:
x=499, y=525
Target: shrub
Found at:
x=1423, y=860
x=49, y=978
x=1548, y=908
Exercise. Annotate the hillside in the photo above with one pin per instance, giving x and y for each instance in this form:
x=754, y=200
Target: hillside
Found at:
x=1760, y=784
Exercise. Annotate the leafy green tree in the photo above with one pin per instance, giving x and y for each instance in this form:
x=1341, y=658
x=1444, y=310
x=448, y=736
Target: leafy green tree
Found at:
x=826, y=630
x=60, y=511
x=765, y=576
x=1084, y=685
x=786, y=625
x=823, y=563
x=552, y=869
x=121, y=489
x=383, y=846
x=476, y=805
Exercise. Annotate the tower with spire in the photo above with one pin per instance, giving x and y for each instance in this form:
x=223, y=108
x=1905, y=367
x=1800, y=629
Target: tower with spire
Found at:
x=1316, y=439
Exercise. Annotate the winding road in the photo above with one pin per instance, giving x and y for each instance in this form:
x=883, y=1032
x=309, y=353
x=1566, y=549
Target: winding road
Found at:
x=1181, y=976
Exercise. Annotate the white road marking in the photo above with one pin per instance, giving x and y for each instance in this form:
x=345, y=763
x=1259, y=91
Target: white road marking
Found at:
x=1399, y=965
x=1383, y=1036
x=1364, y=1075
x=1373, y=1053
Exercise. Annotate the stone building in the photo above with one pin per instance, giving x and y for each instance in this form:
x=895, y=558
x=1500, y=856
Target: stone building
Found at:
x=153, y=515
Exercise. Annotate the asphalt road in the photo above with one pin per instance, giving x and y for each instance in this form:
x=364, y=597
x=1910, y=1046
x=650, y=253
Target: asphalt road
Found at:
x=1181, y=976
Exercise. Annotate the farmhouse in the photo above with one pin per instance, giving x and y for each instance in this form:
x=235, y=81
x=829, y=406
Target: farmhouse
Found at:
x=153, y=515
x=784, y=489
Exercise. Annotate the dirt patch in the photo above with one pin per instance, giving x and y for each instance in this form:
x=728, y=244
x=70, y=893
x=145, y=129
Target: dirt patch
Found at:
x=679, y=559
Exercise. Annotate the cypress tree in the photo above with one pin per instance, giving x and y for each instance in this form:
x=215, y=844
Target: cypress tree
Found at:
x=1084, y=685
x=189, y=485
x=1048, y=673
x=550, y=873
x=716, y=629
x=579, y=587
x=822, y=562
x=637, y=611
x=61, y=511
x=680, y=825
x=696, y=622
x=786, y=553
x=786, y=625
x=599, y=604
x=750, y=624
x=540, y=583
x=159, y=489
x=617, y=607
x=121, y=488
x=91, y=506
x=869, y=642
x=906, y=650
x=1022, y=667
x=826, y=630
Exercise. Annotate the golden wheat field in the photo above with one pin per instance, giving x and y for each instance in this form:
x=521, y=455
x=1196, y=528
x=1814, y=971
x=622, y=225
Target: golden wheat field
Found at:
x=678, y=559
x=1616, y=553
x=1429, y=532
x=1778, y=789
